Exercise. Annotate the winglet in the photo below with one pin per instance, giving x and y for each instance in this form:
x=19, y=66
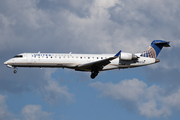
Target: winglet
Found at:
x=117, y=55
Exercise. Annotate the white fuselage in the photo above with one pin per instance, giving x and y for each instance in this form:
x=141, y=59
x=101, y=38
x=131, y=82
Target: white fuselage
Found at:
x=72, y=61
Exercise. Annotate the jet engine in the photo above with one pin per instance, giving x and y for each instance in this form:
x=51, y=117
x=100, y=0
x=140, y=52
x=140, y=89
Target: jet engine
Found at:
x=128, y=56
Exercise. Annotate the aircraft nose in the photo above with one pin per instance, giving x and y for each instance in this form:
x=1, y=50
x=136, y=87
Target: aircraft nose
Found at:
x=5, y=63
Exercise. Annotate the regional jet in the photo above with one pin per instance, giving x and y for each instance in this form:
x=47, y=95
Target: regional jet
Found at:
x=93, y=63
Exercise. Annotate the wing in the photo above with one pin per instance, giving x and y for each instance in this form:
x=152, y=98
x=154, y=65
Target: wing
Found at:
x=98, y=65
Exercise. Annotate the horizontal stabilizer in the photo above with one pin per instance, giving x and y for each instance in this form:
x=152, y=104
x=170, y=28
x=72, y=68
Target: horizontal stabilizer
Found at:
x=166, y=44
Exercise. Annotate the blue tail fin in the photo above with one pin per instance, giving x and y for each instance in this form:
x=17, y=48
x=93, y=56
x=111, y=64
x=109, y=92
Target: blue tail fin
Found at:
x=155, y=48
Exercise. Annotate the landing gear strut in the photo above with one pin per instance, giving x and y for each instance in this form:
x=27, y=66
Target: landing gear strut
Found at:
x=94, y=74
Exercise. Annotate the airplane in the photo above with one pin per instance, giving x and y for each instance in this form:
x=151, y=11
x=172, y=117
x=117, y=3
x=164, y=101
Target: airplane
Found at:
x=93, y=63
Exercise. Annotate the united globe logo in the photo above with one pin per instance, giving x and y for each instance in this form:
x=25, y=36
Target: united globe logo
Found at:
x=150, y=52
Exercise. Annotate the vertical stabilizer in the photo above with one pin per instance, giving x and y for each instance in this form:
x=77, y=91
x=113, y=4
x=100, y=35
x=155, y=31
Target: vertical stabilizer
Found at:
x=154, y=49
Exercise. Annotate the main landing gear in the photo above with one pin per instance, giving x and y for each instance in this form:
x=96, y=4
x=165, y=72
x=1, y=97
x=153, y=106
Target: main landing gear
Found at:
x=94, y=74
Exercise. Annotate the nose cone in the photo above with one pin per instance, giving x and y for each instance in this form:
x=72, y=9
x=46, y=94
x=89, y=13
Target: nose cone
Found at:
x=5, y=63
x=8, y=64
x=157, y=60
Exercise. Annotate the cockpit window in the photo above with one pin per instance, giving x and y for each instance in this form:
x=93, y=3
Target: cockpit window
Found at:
x=18, y=56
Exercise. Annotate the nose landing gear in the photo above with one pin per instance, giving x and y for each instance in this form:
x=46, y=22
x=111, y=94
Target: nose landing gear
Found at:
x=15, y=71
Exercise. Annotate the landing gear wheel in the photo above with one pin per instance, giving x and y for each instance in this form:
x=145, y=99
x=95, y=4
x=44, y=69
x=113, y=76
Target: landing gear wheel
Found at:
x=93, y=76
x=15, y=71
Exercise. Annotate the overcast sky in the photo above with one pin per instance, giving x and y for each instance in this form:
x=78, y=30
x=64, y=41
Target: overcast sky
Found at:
x=89, y=26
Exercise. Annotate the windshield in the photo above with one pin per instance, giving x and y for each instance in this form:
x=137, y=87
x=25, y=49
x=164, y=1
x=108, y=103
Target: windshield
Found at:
x=18, y=56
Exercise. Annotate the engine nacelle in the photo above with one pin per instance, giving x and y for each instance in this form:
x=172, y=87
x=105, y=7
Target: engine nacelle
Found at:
x=128, y=56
